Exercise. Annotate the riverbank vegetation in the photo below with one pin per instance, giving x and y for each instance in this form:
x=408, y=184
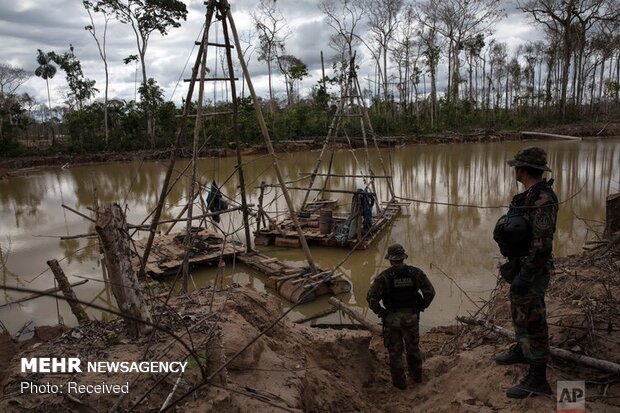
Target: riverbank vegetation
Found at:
x=435, y=66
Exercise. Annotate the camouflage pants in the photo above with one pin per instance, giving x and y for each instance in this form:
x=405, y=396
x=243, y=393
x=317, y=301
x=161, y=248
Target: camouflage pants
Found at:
x=401, y=331
x=529, y=316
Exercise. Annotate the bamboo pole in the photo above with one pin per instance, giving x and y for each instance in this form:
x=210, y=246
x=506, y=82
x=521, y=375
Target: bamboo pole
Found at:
x=604, y=365
x=179, y=215
x=175, y=148
x=265, y=132
x=313, y=175
x=337, y=191
x=356, y=315
x=374, y=139
x=346, y=175
x=236, y=131
x=192, y=182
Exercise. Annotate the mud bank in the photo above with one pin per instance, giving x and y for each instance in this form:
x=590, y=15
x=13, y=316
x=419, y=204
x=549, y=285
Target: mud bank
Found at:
x=23, y=165
x=300, y=368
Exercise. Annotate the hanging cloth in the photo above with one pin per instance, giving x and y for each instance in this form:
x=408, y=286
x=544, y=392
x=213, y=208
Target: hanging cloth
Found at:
x=216, y=201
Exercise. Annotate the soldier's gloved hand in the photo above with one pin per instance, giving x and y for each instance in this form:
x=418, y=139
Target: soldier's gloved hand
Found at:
x=519, y=286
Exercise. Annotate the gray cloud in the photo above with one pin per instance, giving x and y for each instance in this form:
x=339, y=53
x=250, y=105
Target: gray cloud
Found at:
x=28, y=25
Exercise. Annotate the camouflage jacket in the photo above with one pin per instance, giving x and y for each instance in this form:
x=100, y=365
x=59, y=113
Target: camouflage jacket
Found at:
x=380, y=289
x=540, y=206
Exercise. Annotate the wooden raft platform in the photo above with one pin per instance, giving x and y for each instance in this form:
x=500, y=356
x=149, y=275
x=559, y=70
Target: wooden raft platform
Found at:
x=284, y=234
x=167, y=252
x=293, y=282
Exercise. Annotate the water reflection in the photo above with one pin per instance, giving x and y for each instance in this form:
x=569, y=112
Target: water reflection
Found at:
x=439, y=238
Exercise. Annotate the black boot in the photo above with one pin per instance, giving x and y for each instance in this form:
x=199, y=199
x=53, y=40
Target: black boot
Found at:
x=533, y=384
x=512, y=356
x=399, y=379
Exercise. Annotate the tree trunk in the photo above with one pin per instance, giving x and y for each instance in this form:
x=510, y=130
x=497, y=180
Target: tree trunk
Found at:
x=112, y=229
x=105, y=105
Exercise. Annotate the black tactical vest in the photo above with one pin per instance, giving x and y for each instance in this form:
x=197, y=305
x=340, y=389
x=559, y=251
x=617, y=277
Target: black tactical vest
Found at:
x=513, y=231
x=402, y=288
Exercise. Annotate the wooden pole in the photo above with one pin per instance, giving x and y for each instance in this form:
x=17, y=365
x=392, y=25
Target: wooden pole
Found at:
x=192, y=182
x=313, y=175
x=175, y=148
x=356, y=315
x=67, y=291
x=599, y=364
x=337, y=191
x=265, y=132
x=374, y=139
x=236, y=131
x=112, y=229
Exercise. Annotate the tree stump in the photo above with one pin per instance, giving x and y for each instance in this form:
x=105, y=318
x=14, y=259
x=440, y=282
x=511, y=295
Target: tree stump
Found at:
x=112, y=230
x=612, y=221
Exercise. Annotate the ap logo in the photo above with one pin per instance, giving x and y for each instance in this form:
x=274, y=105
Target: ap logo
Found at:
x=571, y=396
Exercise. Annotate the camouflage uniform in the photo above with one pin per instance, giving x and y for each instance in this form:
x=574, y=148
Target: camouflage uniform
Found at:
x=398, y=288
x=538, y=205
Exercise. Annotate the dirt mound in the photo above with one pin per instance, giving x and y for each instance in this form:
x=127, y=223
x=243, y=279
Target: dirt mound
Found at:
x=293, y=367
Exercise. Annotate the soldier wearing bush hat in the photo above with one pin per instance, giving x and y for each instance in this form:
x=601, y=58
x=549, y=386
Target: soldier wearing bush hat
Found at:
x=525, y=235
x=398, y=288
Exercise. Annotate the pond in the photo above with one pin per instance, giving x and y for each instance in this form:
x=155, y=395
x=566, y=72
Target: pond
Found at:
x=446, y=241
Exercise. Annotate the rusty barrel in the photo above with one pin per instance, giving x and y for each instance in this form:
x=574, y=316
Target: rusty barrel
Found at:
x=326, y=221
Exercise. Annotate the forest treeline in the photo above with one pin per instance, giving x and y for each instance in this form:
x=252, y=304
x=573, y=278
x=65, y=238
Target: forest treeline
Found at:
x=429, y=65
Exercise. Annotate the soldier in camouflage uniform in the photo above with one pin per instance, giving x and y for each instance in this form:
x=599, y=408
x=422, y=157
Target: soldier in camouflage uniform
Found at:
x=531, y=270
x=399, y=288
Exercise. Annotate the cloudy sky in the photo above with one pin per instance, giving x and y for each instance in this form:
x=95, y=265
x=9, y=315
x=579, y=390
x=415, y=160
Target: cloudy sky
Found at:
x=28, y=25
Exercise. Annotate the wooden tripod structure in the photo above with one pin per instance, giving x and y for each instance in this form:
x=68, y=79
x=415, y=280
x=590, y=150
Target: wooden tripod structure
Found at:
x=218, y=11
x=350, y=105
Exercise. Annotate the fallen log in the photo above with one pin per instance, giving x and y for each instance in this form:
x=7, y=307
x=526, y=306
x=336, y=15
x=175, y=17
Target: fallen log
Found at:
x=41, y=294
x=603, y=365
x=356, y=315
x=551, y=135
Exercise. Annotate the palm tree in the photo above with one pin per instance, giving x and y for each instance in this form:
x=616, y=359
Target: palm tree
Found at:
x=46, y=70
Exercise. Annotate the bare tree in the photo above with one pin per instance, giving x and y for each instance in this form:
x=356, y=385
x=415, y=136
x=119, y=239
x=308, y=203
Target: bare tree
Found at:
x=101, y=47
x=459, y=21
x=272, y=34
x=344, y=17
x=431, y=47
x=145, y=18
x=562, y=18
x=383, y=19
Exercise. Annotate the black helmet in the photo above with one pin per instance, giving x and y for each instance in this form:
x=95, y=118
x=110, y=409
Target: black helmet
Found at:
x=513, y=234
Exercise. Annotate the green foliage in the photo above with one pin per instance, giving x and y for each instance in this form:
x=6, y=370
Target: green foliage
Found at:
x=80, y=87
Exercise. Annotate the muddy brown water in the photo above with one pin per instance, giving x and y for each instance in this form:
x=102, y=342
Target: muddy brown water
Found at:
x=445, y=241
